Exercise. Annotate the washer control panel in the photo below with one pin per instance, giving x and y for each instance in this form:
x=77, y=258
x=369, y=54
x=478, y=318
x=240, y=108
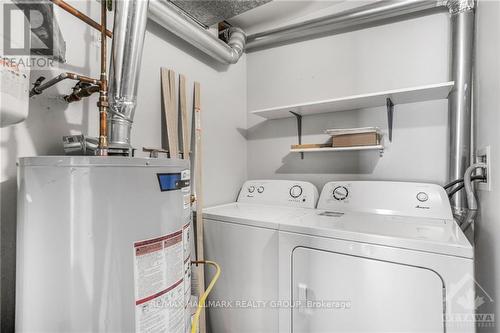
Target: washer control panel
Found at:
x=391, y=198
x=280, y=192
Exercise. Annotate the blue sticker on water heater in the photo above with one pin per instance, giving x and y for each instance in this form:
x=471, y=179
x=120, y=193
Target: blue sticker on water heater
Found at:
x=171, y=181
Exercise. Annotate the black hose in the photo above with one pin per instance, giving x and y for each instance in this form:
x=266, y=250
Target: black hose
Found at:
x=461, y=186
x=450, y=184
x=461, y=180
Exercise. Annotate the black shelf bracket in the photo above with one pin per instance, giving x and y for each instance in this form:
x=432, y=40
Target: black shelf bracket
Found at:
x=390, y=115
x=299, y=129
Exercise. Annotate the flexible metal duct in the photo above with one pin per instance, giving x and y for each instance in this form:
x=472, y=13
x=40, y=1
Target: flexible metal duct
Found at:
x=176, y=21
x=126, y=53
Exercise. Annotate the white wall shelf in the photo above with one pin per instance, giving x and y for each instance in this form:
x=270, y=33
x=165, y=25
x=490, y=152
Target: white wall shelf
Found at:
x=333, y=149
x=384, y=98
x=399, y=96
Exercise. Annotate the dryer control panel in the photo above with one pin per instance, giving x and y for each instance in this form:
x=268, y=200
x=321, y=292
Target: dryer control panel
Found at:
x=279, y=192
x=390, y=198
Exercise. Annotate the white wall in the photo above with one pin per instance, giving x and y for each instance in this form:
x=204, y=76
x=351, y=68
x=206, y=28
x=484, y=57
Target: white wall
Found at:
x=487, y=108
x=398, y=55
x=223, y=97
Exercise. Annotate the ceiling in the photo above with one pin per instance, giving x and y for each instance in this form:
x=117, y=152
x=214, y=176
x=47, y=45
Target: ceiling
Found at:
x=209, y=12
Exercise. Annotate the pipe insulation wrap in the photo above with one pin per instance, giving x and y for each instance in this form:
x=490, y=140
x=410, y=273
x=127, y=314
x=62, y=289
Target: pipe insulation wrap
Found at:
x=176, y=21
x=126, y=53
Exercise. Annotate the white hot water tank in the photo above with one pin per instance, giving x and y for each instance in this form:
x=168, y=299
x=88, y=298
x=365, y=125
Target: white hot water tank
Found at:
x=103, y=244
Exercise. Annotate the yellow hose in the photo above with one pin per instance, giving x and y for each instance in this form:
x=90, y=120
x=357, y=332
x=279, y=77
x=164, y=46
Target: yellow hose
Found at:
x=203, y=298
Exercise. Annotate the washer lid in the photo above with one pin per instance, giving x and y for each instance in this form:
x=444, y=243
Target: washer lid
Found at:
x=265, y=216
x=421, y=234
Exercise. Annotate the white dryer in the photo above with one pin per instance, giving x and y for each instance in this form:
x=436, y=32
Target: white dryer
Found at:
x=376, y=257
x=243, y=238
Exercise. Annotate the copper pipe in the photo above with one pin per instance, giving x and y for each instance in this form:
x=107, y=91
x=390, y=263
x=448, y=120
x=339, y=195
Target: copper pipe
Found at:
x=40, y=87
x=76, y=13
x=82, y=78
x=81, y=92
x=103, y=92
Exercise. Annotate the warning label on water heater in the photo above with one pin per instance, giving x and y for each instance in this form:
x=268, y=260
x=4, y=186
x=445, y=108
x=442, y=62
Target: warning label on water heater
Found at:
x=159, y=284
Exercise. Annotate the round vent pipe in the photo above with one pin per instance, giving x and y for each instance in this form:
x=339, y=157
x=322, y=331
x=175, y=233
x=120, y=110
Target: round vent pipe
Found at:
x=176, y=21
x=126, y=54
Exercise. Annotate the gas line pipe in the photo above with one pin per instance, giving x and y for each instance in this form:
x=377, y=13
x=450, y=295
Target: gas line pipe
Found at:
x=203, y=297
x=103, y=91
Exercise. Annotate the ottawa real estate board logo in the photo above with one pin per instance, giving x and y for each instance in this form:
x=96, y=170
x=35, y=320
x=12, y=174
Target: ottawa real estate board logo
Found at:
x=470, y=302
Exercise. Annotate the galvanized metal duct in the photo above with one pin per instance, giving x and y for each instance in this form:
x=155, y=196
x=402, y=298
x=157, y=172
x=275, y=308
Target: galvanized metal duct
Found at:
x=176, y=21
x=126, y=53
x=460, y=98
x=353, y=19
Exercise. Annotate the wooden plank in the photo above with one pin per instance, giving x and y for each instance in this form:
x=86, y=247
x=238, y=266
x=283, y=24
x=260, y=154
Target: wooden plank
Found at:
x=199, y=198
x=171, y=111
x=186, y=135
x=378, y=99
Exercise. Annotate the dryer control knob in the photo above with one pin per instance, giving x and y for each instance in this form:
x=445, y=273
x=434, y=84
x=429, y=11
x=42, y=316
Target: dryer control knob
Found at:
x=260, y=189
x=251, y=189
x=296, y=191
x=340, y=193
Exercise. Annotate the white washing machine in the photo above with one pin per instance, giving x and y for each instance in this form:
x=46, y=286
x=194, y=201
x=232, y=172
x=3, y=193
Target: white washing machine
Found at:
x=243, y=238
x=376, y=257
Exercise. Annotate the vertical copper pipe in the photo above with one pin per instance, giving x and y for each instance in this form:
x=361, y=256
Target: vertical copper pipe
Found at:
x=103, y=92
x=76, y=13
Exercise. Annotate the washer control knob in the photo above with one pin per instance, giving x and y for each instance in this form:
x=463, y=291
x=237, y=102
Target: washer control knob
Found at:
x=260, y=189
x=296, y=191
x=251, y=189
x=422, y=196
x=340, y=193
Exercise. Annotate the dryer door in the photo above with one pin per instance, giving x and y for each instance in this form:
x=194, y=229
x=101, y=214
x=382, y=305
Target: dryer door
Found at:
x=343, y=293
